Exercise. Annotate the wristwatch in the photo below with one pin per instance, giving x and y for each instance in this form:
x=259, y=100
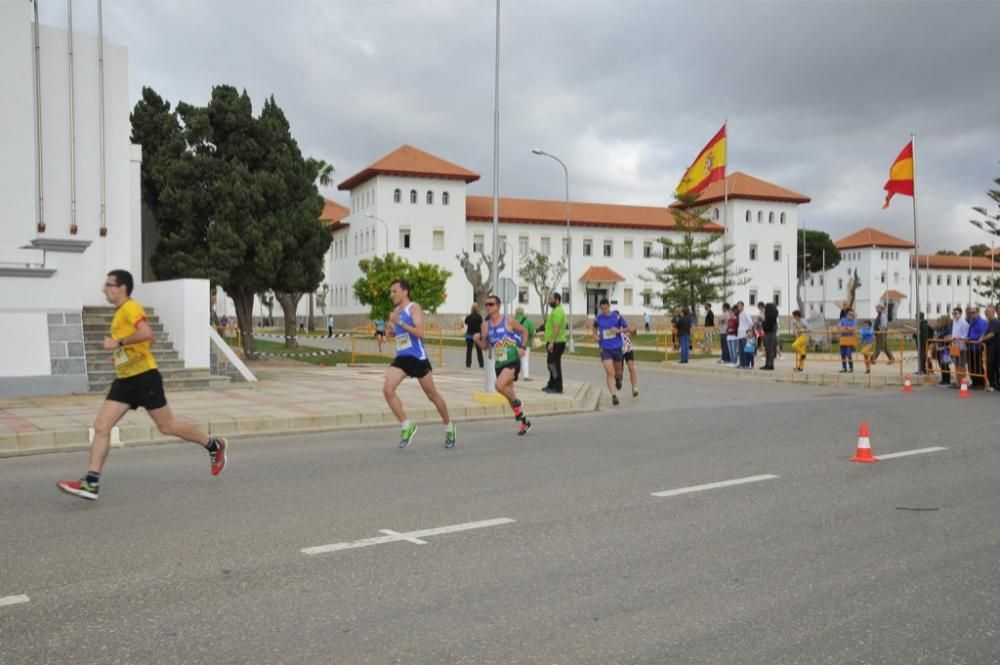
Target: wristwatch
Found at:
x=121, y=342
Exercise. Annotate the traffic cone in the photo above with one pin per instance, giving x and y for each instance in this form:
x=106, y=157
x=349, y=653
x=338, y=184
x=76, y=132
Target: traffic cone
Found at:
x=864, y=451
x=907, y=386
x=964, y=392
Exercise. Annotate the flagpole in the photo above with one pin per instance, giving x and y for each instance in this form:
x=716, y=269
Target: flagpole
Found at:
x=725, y=216
x=916, y=243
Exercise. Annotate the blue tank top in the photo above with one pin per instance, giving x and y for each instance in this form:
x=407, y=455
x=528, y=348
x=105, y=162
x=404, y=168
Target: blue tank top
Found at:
x=407, y=344
x=505, y=342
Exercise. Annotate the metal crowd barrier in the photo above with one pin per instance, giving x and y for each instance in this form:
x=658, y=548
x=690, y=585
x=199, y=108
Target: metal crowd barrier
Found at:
x=364, y=342
x=963, y=358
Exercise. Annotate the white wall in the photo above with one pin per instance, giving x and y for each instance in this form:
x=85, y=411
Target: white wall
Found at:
x=764, y=276
x=183, y=307
x=25, y=347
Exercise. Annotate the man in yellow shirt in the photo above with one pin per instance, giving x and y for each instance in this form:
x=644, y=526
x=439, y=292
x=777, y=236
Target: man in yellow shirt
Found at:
x=138, y=383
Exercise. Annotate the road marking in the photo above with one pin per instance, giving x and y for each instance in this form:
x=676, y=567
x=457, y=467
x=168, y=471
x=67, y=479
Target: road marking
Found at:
x=410, y=536
x=712, y=486
x=918, y=451
x=13, y=600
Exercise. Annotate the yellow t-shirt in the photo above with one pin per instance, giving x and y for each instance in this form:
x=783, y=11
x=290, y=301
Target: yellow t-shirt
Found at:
x=131, y=359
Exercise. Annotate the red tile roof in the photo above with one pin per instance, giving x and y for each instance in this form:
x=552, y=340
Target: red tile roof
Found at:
x=409, y=161
x=600, y=274
x=869, y=237
x=994, y=252
x=533, y=211
x=954, y=262
x=742, y=186
x=892, y=293
x=333, y=214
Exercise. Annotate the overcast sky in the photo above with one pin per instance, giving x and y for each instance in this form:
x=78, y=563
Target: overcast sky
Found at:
x=820, y=96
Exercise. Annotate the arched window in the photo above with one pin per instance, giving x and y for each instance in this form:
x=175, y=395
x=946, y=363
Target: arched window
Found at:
x=430, y=197
x=782, y=218
x=748, y=216
x=413, y=196
x=716, y=214
x=397, y=196
x=770, y=218
x=760, y=217
x=445, y=198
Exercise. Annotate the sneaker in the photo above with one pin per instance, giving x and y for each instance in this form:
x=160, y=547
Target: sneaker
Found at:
x=451, y=436
x=219, y=456
x=614, y=400
x=80, y=488
x=635, y=392
x=524, y=428
x=406, y=436
x=618, y=384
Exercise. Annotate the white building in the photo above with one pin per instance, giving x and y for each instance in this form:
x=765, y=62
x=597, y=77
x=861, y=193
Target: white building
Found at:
x=416, y=205
x=885, y=264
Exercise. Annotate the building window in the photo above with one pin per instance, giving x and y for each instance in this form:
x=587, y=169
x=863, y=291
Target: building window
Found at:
x=777, y=251
x=522, y=246
x=404, y=238
x=770, y=218
x=647, y=298
x=753, y=251
x=477, y=243
x=413, y=196
x=939, y=280
x=777, y=298
x=748, y=216
x=628, y=249
x=608, y=248
x=666, y=251
x=882, y=277
x=840, y=283
x=565, y=297
x=895, y=278
x=588, y=247
x=397, y=196
x=812, y=281
x=958, y=281
x=782, y=220
x=716, y=214
x=760, y=217
x=948, y=279
x=445, y=198
x=821, y=280
x=522, y=296
x=567, y=246
x=430, y=197
x=647, y=250
x=546, y=246
x=753, y=297
x=439, y=239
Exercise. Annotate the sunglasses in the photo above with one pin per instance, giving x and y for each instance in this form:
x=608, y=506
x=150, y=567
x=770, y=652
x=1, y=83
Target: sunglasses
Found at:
x=492, y=304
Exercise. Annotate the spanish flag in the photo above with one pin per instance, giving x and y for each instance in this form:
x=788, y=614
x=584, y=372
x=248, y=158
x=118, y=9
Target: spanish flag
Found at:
x=900, y=175
x=708, y=167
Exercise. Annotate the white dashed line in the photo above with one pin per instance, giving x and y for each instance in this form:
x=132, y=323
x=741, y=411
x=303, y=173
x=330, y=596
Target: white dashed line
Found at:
x=415, y=537
x=13, y=600
x=712, y=486
x=906, y=453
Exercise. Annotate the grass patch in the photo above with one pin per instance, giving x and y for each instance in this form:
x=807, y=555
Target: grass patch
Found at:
x=327, y=358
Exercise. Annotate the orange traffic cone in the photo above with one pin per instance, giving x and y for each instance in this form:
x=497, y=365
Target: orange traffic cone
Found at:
x=864, y=451
x=907, y=386
x=964, y=392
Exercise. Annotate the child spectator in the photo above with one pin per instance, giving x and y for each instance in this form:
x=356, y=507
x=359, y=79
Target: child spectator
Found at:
x=848, y=330
x=868, y=345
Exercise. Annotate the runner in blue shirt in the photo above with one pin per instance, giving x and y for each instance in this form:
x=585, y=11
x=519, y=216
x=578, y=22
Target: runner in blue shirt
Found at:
x=407, y=321
x=507, y=338
x=608, y=327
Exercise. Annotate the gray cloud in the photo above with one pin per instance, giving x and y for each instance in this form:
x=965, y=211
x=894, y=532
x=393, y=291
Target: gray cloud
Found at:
x=820, y=96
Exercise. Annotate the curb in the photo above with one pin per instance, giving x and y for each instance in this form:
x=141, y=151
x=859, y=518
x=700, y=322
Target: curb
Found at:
x=808, y=378
x=585, y=399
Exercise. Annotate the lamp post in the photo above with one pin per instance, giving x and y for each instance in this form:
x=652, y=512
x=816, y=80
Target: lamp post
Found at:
x=569, y=249
x=379, y=219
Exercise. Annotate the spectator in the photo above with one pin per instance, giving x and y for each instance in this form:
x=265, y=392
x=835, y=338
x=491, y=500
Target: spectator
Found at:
x=329, y=325
x=555, y=343
x=709, y=327
x=977, y=329
x=924, y=333
x=881, y=326
x=724, y=358
x=944, y=349
x=868, y=345
x=992, y=339
x=473, y=325
x=848, y=329
x=770, y=329
x=646, y=320
x=800, y=331
x=744, y=332
x=733, y=350
x=959, y=352
x=302, y=323
x=684, y=333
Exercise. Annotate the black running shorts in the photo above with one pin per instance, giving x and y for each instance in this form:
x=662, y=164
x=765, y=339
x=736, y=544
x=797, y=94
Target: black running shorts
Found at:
x=628, y=355
x=413, y=367
x=514, y=365
x=145, y=390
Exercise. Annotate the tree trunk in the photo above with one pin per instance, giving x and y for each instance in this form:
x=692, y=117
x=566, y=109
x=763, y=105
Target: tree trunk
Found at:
x=311, y=326
x=243, y=299
x=289, y=303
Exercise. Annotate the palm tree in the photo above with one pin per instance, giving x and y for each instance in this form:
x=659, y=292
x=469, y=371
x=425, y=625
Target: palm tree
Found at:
x=324, y=171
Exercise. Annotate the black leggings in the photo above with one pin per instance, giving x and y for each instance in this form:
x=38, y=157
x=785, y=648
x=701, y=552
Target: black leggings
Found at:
x=468, y=353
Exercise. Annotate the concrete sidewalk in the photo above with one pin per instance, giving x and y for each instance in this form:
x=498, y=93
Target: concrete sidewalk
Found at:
x=824, y=371
x=290, y=397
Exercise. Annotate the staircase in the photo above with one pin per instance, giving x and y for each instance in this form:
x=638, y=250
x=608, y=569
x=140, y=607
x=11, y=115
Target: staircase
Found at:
x=101, y=371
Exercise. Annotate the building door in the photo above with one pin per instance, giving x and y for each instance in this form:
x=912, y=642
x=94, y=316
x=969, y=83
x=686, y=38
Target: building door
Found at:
x=891, y=311
x=594, y=297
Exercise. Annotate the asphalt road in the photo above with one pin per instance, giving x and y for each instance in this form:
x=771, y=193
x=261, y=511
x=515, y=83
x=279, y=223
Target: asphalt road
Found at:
x=829, y=562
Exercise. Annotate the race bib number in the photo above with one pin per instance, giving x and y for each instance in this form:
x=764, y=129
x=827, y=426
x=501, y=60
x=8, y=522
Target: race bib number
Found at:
x=121, y=358
x=403, y=342
x=609, y=333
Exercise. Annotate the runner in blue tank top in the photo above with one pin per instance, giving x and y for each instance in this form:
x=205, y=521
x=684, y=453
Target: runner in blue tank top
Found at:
x=407, y=321
x=608, y=327
x=507, y=339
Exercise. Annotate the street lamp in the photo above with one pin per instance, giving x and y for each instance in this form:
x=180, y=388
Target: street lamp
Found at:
x=379, y=219
x=569, y=248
